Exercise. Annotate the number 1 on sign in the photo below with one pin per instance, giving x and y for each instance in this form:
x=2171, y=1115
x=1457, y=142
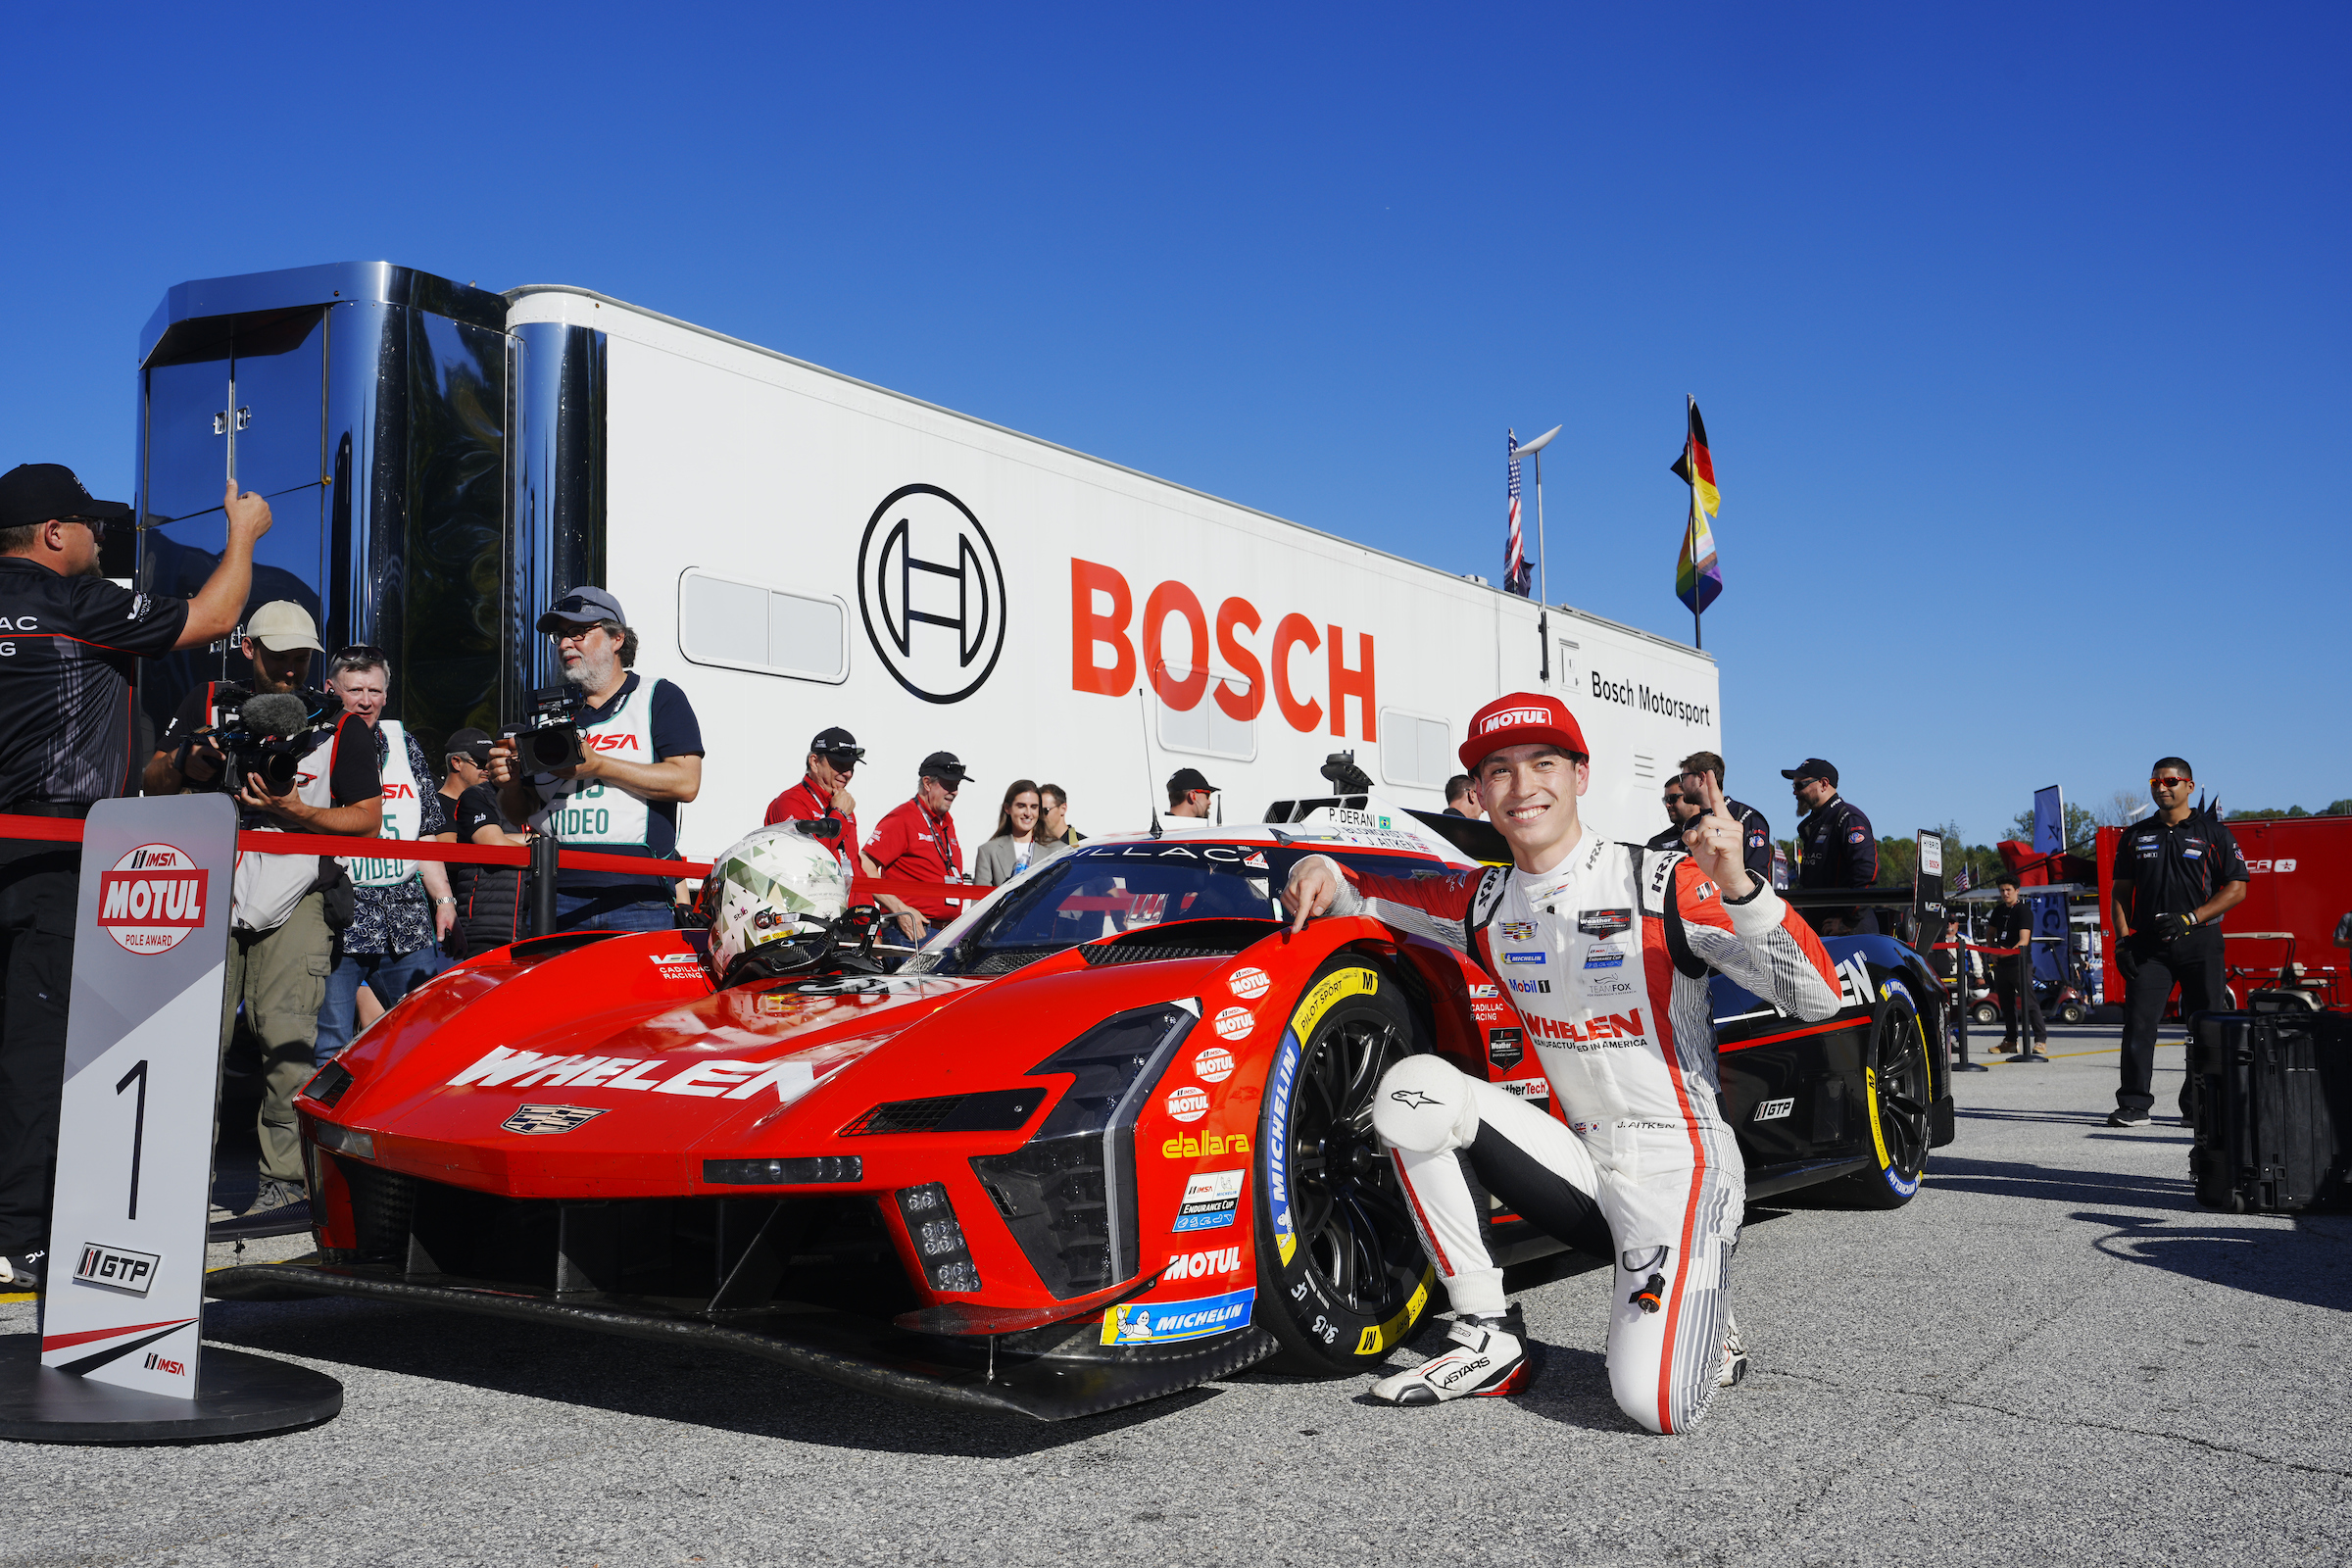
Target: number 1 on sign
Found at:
x=138, y=1129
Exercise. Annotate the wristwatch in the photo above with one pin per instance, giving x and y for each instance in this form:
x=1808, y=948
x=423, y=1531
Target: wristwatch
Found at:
x=450, y=898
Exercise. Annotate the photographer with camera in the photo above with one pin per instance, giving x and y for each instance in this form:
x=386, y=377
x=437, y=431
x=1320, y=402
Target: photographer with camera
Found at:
x=638, y=753
x=70, y=643
x=389, y=946
x=279, y=639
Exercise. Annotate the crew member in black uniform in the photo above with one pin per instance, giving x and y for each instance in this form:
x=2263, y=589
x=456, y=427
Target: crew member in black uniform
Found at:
x=1834, y=846
x=70, y=641
x=2175, y=875
x=2011, y=925
x=1684, y=801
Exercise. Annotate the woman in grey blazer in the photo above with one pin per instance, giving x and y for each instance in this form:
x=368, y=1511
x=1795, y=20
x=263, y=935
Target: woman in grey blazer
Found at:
x=1016, y=846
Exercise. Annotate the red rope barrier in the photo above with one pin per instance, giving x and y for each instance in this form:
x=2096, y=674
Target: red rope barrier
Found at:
x=66, y=830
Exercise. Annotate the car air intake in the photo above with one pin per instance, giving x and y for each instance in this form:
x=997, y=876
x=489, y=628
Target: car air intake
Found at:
x=1219, y=937
x=1068, y=1193
x=327, y=1084
x=1000, y=1111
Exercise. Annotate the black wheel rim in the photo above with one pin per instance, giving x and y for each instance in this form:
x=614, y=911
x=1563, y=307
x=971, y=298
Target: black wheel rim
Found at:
x=1903, y=1091
x=1349, y=1213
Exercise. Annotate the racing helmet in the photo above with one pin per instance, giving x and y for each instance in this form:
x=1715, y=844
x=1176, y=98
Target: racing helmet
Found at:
x=773, y=898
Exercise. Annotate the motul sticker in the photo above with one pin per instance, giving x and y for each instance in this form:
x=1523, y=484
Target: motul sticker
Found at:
x=152, y=899
x=1213, y=1064
x=1235, y=1023
x=1189, y=1103
x=1249, y=984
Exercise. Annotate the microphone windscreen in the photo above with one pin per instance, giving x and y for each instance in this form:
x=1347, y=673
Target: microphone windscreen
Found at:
x=275, y=713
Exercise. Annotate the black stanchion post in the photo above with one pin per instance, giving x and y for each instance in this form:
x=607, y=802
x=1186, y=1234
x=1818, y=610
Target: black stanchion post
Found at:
x=544, y=849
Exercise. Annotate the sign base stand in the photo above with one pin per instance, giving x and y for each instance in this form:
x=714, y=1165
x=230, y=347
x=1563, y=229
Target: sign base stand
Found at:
x=237, y=1396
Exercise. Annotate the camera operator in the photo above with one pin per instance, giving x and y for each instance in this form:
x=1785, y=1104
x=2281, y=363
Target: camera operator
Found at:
x=389, y=947
x=279, y=639
x=69, y=645
x=642, y=757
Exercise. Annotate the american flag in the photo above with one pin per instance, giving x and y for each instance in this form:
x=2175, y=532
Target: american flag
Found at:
x=1516, y=578
x=1960, y=882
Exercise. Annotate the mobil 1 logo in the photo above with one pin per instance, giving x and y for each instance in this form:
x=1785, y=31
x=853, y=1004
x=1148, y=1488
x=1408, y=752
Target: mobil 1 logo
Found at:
x=931, y=593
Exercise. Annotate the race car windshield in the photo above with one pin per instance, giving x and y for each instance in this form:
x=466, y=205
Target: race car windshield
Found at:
x=1100, y=892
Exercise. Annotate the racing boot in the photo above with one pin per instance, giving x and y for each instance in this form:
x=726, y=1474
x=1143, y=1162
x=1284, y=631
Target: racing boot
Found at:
x=1735, y=1353
x=1489, y=1358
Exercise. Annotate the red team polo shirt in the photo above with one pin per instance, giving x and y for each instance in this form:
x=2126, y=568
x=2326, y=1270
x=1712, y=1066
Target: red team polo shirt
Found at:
x=911, y=844
x=806, y=803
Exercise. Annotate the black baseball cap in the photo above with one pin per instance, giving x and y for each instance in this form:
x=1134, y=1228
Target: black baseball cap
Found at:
x=32, y=493
x=1184, y=780
x=1811, y=767
x=835, y=740
x=583, y=607
x=469, y=743
x=944, y=767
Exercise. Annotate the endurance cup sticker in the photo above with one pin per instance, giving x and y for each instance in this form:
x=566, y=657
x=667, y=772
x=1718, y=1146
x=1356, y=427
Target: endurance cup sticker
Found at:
x=1211, y=1198
x=151, y=899
x=1158, y=1322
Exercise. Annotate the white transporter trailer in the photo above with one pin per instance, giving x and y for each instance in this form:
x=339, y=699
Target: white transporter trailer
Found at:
x=799, y=548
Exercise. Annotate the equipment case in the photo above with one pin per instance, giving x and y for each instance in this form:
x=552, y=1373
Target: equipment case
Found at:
x=2271, y=1091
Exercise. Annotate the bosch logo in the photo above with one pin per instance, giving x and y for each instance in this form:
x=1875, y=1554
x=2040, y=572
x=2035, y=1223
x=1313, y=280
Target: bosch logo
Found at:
x=931, y=593
x=151, y=899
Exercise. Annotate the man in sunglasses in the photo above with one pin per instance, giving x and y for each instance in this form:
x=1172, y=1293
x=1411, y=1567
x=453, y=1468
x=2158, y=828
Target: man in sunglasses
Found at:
x=825, y=791
x=642, y=760
x=1834, y=845
x=917, y=841
x=70, y=646
x=2175, y=875
x=1686, y=800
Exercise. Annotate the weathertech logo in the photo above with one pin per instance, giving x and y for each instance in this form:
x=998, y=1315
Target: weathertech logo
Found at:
x=1512, y=718
x=151, y=899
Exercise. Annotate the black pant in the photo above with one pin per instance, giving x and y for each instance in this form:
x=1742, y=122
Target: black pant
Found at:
x=2015, y=998
x=2194, y=964
x=39, y=885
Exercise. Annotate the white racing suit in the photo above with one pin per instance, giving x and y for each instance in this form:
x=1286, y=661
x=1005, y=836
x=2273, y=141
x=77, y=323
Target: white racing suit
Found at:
x=1605, y=957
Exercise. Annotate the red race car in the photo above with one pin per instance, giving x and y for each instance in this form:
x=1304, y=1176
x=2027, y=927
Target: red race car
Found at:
x=1107, y=1137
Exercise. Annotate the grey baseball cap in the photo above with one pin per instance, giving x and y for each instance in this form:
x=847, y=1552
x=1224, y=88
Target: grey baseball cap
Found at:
x=583, y=607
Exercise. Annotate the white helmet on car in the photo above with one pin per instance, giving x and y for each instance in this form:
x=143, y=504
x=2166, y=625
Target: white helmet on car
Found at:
x=773, y=897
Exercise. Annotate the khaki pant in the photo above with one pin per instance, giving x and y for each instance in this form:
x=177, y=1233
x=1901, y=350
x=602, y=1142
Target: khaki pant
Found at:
x=281, y=977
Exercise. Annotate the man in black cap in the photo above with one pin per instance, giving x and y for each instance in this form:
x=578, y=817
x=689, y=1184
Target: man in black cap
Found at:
x=1189, y=793
x=916, y=842
x=1685, y=801
x=825, y=791
x=1834, y=846
x=644, y=759
x=70, y=641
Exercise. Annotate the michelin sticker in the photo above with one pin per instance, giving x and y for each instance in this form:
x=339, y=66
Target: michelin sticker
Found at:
x=1158, y=1322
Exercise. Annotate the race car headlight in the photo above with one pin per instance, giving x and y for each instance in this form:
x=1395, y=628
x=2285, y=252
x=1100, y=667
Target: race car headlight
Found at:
x=1068, y=1193
x=346, y=1140
x=938, y=1240
x=808, y=1170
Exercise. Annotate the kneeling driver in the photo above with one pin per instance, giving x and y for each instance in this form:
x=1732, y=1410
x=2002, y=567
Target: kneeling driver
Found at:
x=1606, y=949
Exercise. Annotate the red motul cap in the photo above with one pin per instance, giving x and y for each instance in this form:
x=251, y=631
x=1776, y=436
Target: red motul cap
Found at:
x=1521, y=719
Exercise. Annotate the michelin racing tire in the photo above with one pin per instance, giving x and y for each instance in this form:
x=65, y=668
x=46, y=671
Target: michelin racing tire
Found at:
x=1898, y=1087
x=1342, y=1276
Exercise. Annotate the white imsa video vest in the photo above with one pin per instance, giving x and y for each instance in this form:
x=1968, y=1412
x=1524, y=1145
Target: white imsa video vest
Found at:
x=266, y=887
x=594, y=813
x=404, y=815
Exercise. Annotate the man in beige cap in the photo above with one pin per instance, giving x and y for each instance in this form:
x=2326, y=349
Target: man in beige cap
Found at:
x=279, y=639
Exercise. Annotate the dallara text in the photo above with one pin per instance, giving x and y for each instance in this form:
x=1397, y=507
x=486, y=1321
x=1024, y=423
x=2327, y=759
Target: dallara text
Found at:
x=1107, y=1137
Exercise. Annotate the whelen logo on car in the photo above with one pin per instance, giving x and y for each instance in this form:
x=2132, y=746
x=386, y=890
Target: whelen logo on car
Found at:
x=152, y=899
x=790, y=1078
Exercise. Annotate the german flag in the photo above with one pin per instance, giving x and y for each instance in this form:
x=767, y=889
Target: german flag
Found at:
x=1695, y=467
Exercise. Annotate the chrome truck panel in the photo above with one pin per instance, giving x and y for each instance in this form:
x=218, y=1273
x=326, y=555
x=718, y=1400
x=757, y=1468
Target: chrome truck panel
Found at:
x=369, y=402
x=555, y=491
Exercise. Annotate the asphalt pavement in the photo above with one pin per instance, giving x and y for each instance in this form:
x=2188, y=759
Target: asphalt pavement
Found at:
x=2050, y=1356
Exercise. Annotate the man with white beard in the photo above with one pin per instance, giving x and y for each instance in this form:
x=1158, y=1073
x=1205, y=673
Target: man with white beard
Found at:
x=643, y=758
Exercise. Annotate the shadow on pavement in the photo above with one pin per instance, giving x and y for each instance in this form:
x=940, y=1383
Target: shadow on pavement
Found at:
x=2078, y=1118
x=727, y=1393
x=2311, y=1268
x=2000, y=1178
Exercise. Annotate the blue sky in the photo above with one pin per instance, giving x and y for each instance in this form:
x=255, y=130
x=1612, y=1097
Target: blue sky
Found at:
x=2020, y=331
